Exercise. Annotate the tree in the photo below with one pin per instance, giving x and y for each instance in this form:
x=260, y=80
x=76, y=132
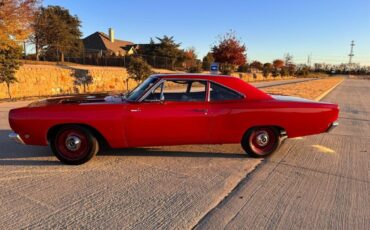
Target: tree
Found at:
x=243, y=68
x=274, y=72
x=291, y=69
x=267, y=67
x=303, y=71
x=138, y=70
x=288, y=59
x=196, y=68
x=284, y=71
x=207, y=61
x=15, y=21
x=166, y=48
x=278, y=63
x=57, y=32
x=256, y=65
x=192, y=64
x=190, y=57
x=229, y=52
x=40, y=28
x=9, y=64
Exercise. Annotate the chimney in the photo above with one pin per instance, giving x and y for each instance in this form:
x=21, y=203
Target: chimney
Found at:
x=111, y=34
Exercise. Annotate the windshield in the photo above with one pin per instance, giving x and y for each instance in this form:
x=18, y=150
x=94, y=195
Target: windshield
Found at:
x=140, y=89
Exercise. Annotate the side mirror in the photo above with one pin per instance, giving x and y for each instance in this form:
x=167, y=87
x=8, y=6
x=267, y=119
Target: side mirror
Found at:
x=161, y=98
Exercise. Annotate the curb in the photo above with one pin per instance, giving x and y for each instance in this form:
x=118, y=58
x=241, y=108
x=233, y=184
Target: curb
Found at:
x=328, y=91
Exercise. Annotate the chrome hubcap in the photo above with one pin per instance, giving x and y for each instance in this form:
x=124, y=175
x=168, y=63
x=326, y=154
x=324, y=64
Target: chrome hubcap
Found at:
x=262, y=139
x=73, y=143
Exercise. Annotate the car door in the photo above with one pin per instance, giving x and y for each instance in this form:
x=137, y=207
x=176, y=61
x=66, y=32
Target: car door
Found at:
x=225, y=107
x=173, y=113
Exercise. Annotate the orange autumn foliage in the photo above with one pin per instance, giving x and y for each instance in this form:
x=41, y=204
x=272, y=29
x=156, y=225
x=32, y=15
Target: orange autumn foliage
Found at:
x=16, y=17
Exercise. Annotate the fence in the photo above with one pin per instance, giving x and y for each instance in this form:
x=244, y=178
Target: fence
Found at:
x=119, y=61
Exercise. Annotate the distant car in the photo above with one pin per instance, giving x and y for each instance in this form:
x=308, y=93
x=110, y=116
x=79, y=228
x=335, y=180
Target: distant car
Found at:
x=170, y=110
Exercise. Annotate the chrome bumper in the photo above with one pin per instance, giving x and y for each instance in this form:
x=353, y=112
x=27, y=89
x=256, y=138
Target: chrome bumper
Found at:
x=332, y=126
x=15, y=136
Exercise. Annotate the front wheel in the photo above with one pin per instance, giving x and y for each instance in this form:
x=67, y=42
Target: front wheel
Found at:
x=74, y=145
x=261, y=141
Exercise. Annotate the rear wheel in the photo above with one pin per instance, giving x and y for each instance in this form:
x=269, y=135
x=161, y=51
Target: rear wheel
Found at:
x=261, y=141
x=74, y=145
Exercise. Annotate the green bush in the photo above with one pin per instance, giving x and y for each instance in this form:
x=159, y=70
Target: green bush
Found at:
x=227, y=69
x=196, y=68
x=275, y=72
x=138, y=69
x=265, y=72
x=243, y=68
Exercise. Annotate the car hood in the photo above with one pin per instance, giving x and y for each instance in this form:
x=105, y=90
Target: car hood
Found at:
x=79, y=99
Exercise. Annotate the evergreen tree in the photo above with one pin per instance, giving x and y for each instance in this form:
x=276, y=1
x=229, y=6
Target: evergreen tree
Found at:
x=9, y=64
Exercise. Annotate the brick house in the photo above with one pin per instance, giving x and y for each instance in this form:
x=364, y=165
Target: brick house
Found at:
x=102, y=44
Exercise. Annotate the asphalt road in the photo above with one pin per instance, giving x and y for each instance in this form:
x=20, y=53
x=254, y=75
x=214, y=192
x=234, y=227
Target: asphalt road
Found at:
x=280, y=82
x=315, y=182
x=176, y=187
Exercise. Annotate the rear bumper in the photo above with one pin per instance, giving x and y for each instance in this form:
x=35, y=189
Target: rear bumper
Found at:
x=332, y=126
x=15, y=136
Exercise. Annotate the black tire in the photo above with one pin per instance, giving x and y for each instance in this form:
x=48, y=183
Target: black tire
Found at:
x=254, y=138
x=74, y=144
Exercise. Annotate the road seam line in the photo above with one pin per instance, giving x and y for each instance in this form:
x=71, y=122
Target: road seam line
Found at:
x=325, y=173
x=251, y=173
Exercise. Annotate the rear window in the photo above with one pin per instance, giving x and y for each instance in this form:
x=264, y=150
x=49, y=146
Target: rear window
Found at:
x=221, y=93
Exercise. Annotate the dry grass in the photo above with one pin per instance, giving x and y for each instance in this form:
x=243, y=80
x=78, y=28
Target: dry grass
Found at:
x=309, y=90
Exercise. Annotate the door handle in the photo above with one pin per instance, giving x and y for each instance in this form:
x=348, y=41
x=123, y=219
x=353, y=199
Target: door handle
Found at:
x=200, y=110
x=135, y=110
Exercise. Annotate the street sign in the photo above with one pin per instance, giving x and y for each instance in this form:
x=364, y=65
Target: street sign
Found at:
x=214, y=68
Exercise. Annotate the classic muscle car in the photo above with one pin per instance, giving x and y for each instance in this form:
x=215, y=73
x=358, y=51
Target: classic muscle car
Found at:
x=175, y=109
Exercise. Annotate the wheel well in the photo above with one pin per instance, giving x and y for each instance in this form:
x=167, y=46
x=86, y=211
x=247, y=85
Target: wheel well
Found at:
x=280, y=129
x=101, y=139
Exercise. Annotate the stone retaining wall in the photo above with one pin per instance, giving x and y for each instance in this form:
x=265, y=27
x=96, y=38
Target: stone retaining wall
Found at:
x=49, y=80
x=44, y=80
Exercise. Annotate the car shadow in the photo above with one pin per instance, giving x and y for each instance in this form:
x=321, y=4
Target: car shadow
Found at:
x=159, y=152
x=12, y=153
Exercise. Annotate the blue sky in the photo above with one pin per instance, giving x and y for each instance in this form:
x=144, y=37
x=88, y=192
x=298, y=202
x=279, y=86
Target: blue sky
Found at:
x=270, y=28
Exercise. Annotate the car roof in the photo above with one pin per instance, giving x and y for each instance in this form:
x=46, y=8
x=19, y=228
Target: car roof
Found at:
x=190, y=76
x=234, y=83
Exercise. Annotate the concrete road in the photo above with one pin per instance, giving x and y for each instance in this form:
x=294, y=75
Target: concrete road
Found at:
x=147, y=188
x=176, y=187
x=316, y=182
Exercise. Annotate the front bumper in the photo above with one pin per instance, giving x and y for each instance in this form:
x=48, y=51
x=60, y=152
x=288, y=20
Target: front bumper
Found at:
x=15, y=136
x=332, y=126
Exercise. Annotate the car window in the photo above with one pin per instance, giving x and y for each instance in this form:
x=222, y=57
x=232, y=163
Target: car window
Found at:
x=179, y=90
x=140, y=89
x=221, y=93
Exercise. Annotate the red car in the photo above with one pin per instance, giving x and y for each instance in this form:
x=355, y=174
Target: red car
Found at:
x=170, y=110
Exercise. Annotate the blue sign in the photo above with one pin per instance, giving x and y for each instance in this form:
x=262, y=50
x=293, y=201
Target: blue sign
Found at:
x=214, y=68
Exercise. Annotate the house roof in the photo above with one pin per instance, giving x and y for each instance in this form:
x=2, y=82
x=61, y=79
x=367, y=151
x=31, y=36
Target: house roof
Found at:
x=101, y=41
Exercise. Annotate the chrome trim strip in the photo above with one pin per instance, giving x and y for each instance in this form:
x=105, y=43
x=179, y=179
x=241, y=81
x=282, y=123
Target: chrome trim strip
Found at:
x=283, y=133
x=332, y=126
x=15, y=136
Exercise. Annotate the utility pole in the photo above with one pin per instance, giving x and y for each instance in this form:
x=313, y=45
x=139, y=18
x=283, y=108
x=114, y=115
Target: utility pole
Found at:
x=351, y=54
